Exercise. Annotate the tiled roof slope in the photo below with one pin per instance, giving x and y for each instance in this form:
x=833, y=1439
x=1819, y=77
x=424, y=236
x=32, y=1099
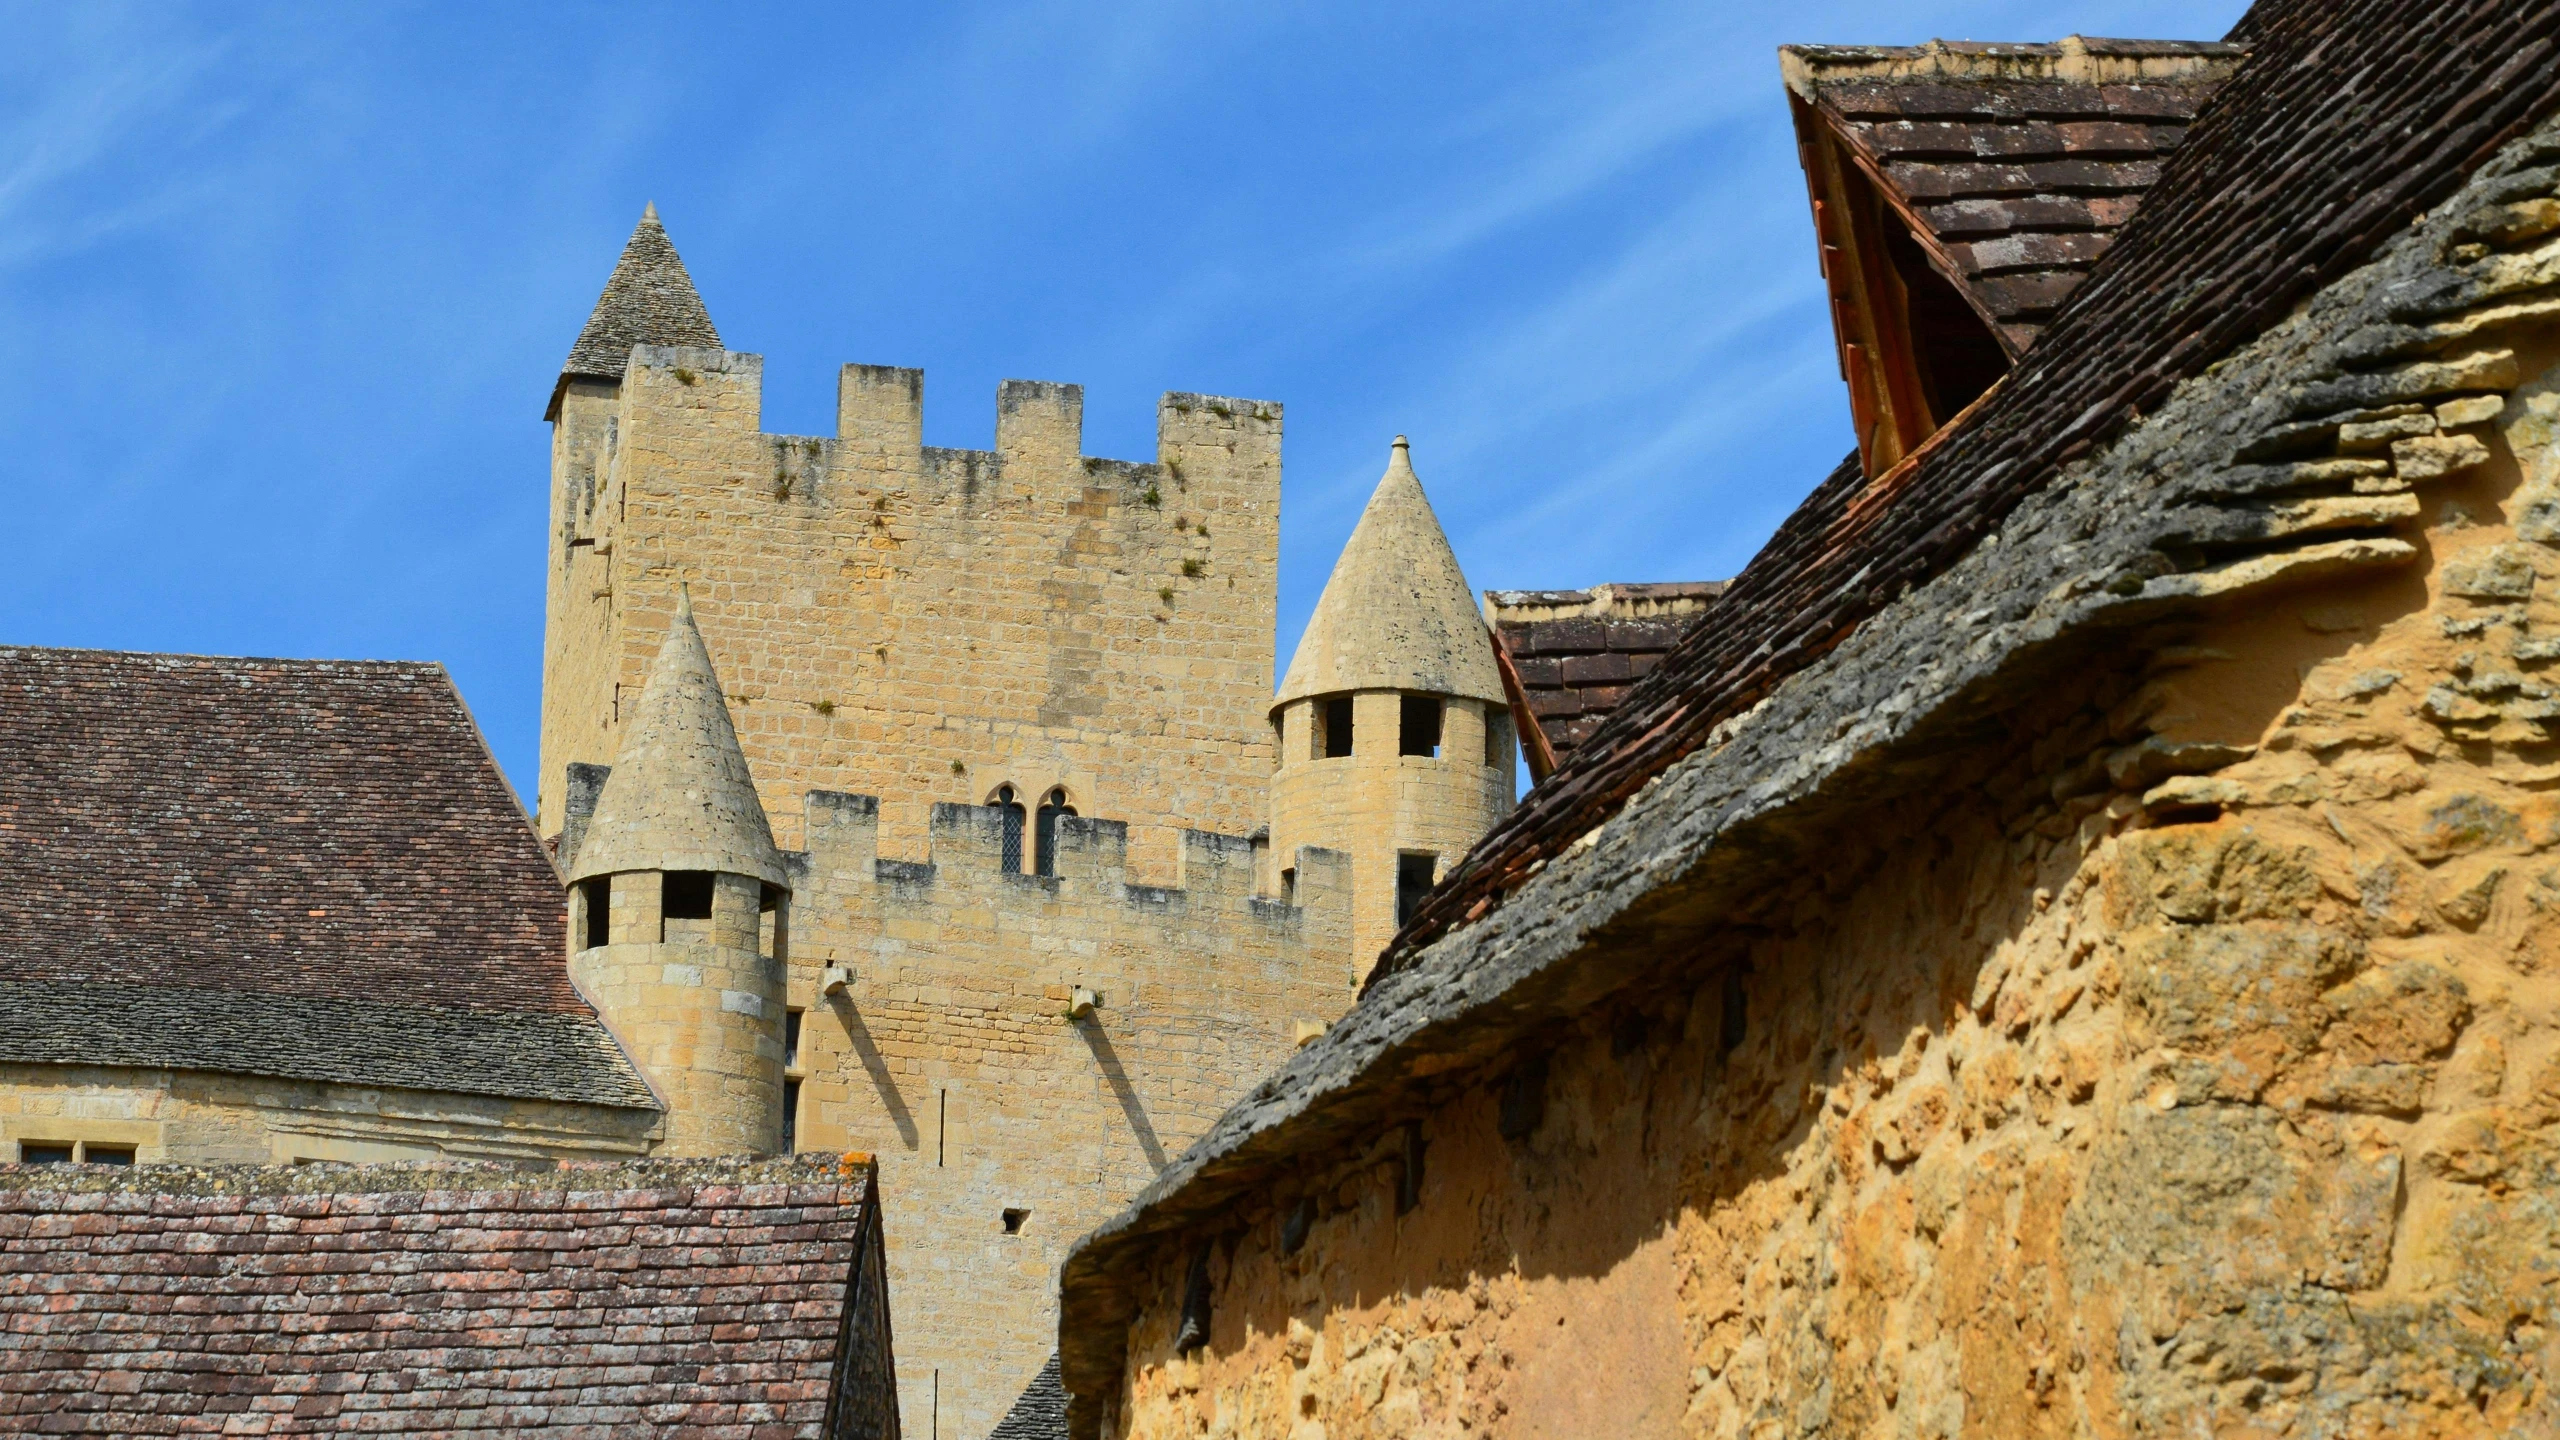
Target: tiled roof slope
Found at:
x=2348, y=118
x=286, y=845
x=699, y=1298
x=648, y=300
x=2018, y=162
x=1577, y=651
x=1039, y=1412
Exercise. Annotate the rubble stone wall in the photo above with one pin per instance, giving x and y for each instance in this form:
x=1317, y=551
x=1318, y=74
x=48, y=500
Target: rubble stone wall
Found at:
x=2184, y=1061
x=192, y=1117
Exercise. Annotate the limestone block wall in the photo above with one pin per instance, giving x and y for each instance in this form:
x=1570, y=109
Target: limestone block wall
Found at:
x=919, y=623
x=1376, y=805
x=953, y=1056
x=2193, y=1067
x=190, y=1117
x=698, y=1006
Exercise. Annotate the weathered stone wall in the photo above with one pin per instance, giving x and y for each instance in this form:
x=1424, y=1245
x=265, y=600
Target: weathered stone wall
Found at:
x=189, y=1117
x=1376, y=805
x=2184, y=1061
x=952, y=1054
x=918, y=623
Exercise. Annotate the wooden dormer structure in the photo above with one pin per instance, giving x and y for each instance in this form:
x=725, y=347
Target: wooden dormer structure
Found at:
x=1960, y=194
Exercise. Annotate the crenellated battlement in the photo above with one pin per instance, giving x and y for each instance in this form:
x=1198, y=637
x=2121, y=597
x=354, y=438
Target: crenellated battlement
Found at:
x=965, y=866
x=880, y=428
x=921, y=622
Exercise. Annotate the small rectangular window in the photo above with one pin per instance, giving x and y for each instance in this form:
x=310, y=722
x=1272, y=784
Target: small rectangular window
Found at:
x=107, y=1154
x=1337, y=726
x=1497, y=737
x=687, y=895
x=791, y=1039
x=1419, y=734
x=1289, y=885
x=32, y=1152
x=1413, y=881
x=790, y=1117
x=599, y=897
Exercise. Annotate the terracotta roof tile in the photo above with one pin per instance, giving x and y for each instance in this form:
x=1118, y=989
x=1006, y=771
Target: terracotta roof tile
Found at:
x=713, y=1298
x=288, y=841
x=1575, y=651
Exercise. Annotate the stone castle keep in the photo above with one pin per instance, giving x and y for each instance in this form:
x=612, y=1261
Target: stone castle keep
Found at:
x=936, y=803
x=2065, y=943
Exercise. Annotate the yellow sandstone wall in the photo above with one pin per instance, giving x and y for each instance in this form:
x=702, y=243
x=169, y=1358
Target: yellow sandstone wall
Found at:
x=188, y=1117
x=2102, y=1100
x=1376, y=805
x=952, y=1056
x=925, y=624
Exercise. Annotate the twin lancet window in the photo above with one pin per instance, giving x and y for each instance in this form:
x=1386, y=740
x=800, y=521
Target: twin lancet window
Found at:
x=1043, y=828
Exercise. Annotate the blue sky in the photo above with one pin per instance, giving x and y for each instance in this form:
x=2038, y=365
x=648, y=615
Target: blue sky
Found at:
x=282, y=291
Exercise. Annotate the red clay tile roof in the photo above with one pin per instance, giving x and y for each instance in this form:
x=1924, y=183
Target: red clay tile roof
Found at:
x=1577, y=651
x=2349, y=118
x=703, y=1298
x=2020, y=162
x=313, y=868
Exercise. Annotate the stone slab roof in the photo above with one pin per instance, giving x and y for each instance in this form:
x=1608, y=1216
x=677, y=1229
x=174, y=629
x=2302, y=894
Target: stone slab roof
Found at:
x=2019, y=162
x=1039, y=1412
x=705, y=1298
x=648, y=300
x=1577, y=651
x=1876, y=626
x=320, y=856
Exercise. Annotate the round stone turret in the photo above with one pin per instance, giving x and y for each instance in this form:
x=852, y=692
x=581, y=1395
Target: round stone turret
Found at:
x=1394, y=733
x=679, y=911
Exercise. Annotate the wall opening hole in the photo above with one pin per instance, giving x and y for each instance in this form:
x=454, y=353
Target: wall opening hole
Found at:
x=1334, y=733
x=790, y=1116
x=791, y=1039
x=1013, y=1221
x=1413, y=881
x=687, y=895
x=1419, y=730
x=598, y=897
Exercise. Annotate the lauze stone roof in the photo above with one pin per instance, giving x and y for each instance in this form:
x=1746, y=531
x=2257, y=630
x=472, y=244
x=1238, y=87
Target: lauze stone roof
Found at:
x=719, y=1299
x=649, y=300
x=294, y=868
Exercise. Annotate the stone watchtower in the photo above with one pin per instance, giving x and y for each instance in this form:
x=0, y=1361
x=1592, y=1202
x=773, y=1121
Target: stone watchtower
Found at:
x=1394, y=733
x=679, y=911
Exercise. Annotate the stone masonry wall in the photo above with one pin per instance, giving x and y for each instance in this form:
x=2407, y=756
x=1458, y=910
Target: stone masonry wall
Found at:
x=918, y=623
x=951, y=1054
x=2185, y=1060
x=188, y=1117
x=1376, y=805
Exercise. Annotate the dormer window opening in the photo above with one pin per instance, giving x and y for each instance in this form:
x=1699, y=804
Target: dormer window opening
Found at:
x=1418, y=732
x=1333, y=728
x=1009, y=808
x=1045, y=833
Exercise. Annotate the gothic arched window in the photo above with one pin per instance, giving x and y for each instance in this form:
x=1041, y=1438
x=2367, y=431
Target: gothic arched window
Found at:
x=1045, y=847
x=1005, y=801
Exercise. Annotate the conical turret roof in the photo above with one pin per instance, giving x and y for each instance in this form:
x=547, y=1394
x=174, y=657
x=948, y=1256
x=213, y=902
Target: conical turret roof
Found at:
x=1397, y=614
x=680, y=797
x=650, y=300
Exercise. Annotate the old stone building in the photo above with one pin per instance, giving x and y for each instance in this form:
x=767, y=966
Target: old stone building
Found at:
x=936, y=803
x=2064, y=945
